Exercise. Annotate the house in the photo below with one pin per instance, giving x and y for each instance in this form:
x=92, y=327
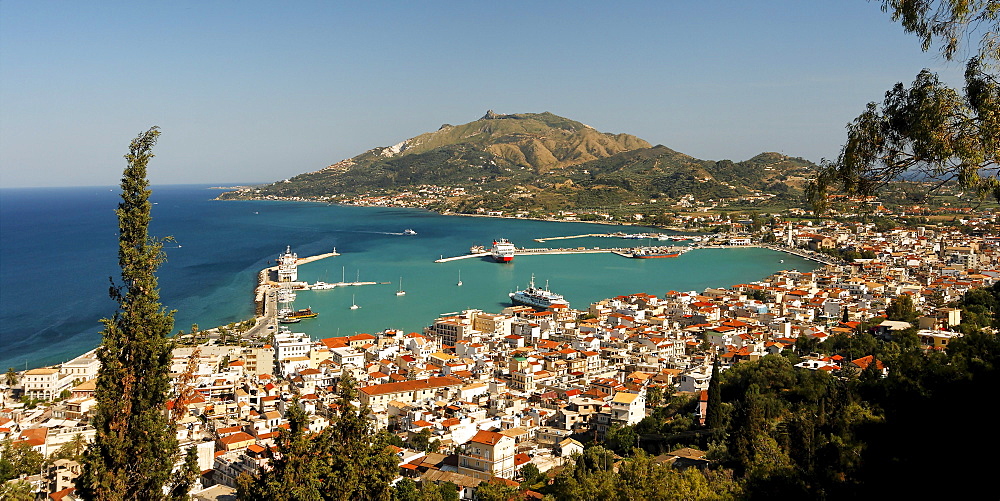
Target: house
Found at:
x=488, y=454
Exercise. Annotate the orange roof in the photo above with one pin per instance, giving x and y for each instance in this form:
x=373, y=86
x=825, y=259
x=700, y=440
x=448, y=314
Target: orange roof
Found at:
x=487, y=437
x=420, y=384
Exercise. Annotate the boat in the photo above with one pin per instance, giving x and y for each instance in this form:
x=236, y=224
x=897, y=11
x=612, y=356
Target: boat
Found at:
x=354, y=305
x=298, y=314
x=318, y=286
x=286, y=320
x=409, y=231
x=653, y=252
x=503, y=250
x=459, y=278
x=400, y=292
x=536, y=297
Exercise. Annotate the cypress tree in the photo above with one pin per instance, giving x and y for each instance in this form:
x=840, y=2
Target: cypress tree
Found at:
x=713, y=415
x=135, y=446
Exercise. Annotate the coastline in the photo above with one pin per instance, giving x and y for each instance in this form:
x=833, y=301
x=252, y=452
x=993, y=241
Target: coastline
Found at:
x=448, y=213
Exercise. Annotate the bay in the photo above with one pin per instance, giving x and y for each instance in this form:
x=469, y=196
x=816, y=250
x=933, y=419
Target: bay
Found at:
x=58, y=248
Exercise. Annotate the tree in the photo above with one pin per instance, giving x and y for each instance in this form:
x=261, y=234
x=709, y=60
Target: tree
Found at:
x=11, y=377
x=294, y=472
x=713, y=415
x=929, y=131
x=494, y=490
x=18, y=459
x=530, y=475
x=135, y=446
x=950, y=22
x=347, y=460
x=17, y=491
x=901, y=309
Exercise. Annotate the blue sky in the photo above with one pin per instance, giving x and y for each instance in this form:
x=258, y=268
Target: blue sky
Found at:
x=259, y=91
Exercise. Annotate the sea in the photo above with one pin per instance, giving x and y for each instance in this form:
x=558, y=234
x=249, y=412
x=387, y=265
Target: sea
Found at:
x=58, y=258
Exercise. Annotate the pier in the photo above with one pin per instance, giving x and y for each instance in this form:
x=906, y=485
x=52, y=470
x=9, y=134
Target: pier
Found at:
x=621, y=251
x=575, y=236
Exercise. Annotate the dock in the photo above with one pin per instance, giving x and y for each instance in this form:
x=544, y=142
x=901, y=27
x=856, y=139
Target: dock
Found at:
x=621, y=251
x=574, y=236
x=464, y=256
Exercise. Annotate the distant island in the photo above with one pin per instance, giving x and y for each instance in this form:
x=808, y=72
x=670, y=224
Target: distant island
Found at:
x=534, y=164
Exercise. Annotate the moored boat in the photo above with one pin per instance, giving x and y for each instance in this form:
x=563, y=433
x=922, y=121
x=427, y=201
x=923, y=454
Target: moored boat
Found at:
x=503, y=250
x=299, y=314
x=656, y=252
x=536, y=297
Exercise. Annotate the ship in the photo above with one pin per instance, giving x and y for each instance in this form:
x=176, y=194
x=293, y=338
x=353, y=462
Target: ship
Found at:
x=653, y=252
x=503, y=251
x=536, y=297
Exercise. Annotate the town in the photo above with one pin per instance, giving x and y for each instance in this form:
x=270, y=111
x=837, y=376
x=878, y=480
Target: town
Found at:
x=479, y=395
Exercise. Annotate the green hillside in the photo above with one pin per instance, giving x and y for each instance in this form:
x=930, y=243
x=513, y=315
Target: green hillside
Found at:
x=537, y=162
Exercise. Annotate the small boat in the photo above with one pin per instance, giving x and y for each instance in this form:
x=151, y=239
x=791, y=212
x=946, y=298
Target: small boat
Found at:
x=354, y=305
x=459, y=278
x=287, y=320
x=409, y=231
x=318, y=286
x=299, y=314
x=400, y=292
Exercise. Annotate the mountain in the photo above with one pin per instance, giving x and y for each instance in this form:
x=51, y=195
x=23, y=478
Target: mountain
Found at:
x=536, y=161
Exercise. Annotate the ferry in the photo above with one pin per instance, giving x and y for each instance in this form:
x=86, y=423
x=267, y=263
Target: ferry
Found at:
x=536, y=297
x=503, y=251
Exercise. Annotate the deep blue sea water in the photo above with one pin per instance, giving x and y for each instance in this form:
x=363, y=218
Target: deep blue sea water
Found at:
x=58, y=248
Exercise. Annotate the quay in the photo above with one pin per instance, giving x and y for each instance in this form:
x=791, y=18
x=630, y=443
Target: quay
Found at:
x=265, y=284
x=574, y=236
x=621, y=251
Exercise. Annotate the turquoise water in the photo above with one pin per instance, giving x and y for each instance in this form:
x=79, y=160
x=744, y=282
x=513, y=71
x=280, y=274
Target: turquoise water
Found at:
x=58, y=247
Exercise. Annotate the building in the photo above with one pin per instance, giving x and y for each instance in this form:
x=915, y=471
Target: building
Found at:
x=287, y=266
x=45, y=383
x=488, y=454
x=379, y=395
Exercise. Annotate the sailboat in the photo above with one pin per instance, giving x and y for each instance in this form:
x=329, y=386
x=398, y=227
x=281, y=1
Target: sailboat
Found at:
x=354, y=305
x=459, y=278
x=400, y=292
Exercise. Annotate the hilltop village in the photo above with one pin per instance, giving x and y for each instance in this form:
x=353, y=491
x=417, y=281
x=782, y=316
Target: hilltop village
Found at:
x=479, y=395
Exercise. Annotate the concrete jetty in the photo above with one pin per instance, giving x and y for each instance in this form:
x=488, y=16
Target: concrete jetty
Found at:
x=540, y=252
x=546, y=239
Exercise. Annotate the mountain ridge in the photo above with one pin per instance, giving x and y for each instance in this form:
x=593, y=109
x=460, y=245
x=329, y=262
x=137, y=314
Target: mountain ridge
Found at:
x=538, y=161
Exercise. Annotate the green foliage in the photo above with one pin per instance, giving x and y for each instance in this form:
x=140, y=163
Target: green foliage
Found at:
x=950, y=23
x=72, y=450
x=713, y=415
x=901, y=309
x=929, y=131
x=621, y=439
x=17, y=460
x=530, y=475
x=346, y=460
x=17, y=491
x=10, y=378
x=494, y=490
x=638, y=478
x=135, y=444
